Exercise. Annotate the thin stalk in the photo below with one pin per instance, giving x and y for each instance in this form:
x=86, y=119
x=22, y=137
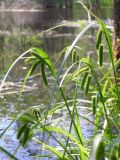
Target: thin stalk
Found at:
x=104, y=107
x=57, y=141
x=8, y=153
x=79, y=134
x=64, y=98
x=68, y=138
x=71, y=123
x=63, y=63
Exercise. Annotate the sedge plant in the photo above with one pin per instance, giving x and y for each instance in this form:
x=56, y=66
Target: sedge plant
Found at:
x=102, y=95
x=105, y=102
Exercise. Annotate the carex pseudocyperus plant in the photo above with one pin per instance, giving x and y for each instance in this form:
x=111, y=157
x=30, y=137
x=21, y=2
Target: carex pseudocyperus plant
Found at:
x=99, y=84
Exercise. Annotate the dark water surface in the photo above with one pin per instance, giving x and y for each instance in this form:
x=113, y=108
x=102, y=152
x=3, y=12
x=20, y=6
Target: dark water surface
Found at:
x=17, y=34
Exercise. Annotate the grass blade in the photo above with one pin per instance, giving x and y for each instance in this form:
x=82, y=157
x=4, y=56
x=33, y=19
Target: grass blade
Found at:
x=99, y=39
x=8, y=153
x=44, y=74
x=53, y=150
x=98, y=150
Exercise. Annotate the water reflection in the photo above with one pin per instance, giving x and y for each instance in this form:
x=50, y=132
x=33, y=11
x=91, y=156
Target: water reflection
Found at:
x=16, y=28
x=40, y=20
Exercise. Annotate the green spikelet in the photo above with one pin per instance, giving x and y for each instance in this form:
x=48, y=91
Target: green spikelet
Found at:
x=99, y=39
x=37, y=113
x=74, y=56
x=34, y=66
x=94, y=104
x=25, y=136
x=21, y=130
x=87, y=84
x=100, y=55
x=84, y=80
x=78, y=59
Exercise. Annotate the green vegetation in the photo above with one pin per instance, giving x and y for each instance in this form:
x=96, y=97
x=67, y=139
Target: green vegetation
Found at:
x=52, y=3
x=100, y=85
x=103, y=94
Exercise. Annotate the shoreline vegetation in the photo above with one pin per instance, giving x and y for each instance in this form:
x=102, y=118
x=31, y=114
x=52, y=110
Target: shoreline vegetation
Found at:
x=80, y=77
x=21, y=5
x=39, y=6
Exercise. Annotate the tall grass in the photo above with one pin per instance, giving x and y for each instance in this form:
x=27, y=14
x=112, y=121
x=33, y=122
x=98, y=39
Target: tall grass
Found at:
x=101, y=91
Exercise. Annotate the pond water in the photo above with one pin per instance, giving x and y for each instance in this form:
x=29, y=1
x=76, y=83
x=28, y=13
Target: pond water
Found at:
x=18, y=32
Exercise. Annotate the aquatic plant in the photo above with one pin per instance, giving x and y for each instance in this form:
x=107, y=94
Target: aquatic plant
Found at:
x=104, y=97
x=100, y=86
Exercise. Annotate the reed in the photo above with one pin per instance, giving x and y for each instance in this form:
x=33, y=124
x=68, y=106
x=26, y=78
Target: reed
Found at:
x=101, y=94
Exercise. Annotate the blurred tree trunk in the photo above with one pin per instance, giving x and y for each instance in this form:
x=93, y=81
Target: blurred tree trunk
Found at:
x=117, y=29
x=68, y=3
x=96, y=3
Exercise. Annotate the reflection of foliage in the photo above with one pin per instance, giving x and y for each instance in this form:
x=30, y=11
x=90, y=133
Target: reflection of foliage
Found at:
x=13, y=45
x=102, y=2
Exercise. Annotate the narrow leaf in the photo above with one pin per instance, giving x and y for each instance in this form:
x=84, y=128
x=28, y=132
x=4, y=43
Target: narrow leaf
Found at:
x=34, y=67
x=27, y=117
x=114, y=154
x=53, y=150
x=98, y=150
x=44, y=57
x=21, y=130
x=44, y=74
x=99, y=38
x=25, y=136
x=59, y=130
x=8, y=153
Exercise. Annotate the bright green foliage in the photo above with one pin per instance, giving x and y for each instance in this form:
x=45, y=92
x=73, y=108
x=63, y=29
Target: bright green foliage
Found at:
x=98, y=150
x=39, y=57
x=115, y=153
x=105, y=102
x=102, y=92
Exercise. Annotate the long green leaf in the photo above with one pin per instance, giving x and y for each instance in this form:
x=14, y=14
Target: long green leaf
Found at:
x=98, y=149
x=59, y=130
x=53, y=150
x=8, y=153
x=99, y=38
x=42, y=55
x=44, y=74
x=109, y=44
